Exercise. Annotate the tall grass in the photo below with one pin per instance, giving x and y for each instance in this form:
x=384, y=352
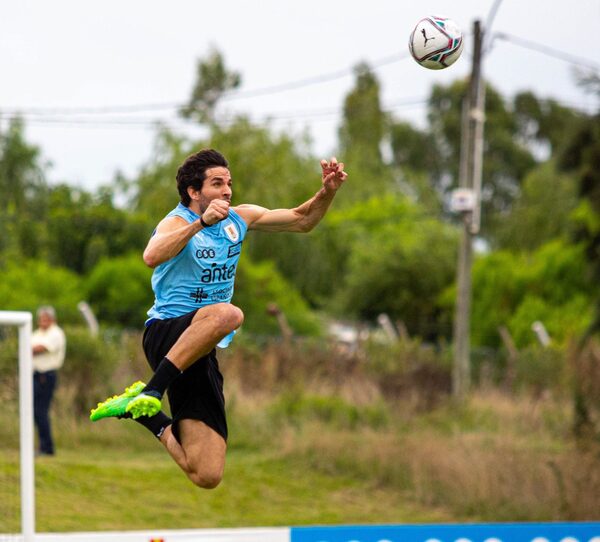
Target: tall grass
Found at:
x=500, y=457
x=311, y=424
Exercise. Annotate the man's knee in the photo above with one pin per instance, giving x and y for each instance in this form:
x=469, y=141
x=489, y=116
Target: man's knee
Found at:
x=229, y=317
x=206, y=480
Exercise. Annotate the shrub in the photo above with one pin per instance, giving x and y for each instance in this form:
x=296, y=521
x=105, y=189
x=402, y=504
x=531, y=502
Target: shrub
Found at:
x=119, y=290
x=88, y=368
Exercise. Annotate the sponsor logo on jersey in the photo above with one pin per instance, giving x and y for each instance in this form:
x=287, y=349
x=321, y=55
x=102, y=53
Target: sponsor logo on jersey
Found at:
x=216, y=273
x=205, y=253
x=234, y=250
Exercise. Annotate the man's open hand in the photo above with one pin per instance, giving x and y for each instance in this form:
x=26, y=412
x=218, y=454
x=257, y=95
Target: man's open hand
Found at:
x=333, y=174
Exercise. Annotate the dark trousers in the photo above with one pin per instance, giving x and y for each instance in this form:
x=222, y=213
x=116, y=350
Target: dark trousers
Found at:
x=43, y=390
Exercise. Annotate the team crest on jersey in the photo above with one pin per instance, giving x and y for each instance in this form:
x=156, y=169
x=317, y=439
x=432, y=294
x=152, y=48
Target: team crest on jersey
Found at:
x=232, y=232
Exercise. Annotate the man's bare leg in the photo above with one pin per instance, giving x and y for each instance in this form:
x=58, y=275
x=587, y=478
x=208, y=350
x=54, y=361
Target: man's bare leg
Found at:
x=209, y=325
x=201, y=454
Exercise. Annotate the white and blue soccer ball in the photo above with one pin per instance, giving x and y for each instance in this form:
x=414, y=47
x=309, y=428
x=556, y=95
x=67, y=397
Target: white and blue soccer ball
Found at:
x=436, y=42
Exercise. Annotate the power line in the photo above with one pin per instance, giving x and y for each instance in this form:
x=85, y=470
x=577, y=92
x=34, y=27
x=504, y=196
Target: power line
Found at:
x=293, y=85
x=549, y=51
x=309, y=114
x=313, y=115
x=233, y=95
x=64, y=116
x=228, y=96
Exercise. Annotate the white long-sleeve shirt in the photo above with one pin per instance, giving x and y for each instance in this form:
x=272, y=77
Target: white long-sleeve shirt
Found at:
x=53, y=339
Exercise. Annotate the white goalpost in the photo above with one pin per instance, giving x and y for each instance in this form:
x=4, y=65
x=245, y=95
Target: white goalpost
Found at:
x=24, y=322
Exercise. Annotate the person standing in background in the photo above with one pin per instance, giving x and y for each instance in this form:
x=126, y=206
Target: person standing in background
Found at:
x=49, y=347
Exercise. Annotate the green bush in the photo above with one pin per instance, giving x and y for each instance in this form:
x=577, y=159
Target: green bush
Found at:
x=26, y=285
x=515, y=290
x=119, y=290
x=89, y=367
x=259, y=285
x=399, y=262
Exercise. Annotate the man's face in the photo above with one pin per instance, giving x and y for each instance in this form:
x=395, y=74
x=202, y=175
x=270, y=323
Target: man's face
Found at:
x=217, y=185
x=45, y=321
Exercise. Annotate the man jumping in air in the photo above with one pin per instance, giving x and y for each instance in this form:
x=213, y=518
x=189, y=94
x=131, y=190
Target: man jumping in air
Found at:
x=194, y=252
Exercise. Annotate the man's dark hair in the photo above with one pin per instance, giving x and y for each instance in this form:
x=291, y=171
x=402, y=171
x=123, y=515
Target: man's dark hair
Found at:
x=193, y=171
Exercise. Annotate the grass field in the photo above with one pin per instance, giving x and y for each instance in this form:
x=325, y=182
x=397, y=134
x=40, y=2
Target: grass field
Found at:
x=323, y=451
x=125, y=481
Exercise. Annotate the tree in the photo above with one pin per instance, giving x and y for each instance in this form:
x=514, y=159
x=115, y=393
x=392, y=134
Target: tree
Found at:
x=83, y=228
x=27, y=284
x=154, y=190
x=364, y=127
x=119, y=290
x=413, y=149
x=515, y=289
x=260, y=285
x=506, y=158
x=213, y=80
x=542, y=211
x=398, y=261
x=581, y=156
x=364, y=121
x=544, y=122
x=20, y=171
x=21, y=183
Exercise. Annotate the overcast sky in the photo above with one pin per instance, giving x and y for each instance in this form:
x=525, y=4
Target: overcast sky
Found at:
x=91, y=77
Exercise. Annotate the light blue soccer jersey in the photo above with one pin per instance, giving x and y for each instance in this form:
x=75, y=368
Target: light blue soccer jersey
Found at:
x=203, y=273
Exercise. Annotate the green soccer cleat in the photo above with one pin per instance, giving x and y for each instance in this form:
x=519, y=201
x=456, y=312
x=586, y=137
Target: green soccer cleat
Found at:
x=115, y=406
x=144, y=404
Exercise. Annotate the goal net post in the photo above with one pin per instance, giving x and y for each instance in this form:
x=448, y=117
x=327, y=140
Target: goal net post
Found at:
x=24, y=322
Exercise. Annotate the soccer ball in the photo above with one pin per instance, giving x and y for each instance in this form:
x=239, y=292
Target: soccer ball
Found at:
x=436, y=42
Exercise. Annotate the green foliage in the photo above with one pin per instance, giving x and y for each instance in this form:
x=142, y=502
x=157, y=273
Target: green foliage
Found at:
x=542, y=211
x=390, y=243
x=119, y=290
x=581, y=156
x=268, y=169
x=498, y=286
x=20, y=169
x=364, y=124
x=83, y=229
x=515, y=290
x=563, y=321
x=543, y=121
x=154, y=188
x=213, y=79
x=507, y=157
x=363, y=132
x=297, y=408
x=26, y=285
x=21, y=182
x=383, y=246
x=89, y=367
x=413, y=149
x=260, y=284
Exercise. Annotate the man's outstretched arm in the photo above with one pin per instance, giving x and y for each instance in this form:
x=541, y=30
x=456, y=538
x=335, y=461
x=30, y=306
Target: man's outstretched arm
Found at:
x=304, y=217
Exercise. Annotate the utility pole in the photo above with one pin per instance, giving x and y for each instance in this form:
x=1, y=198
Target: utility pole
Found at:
x=470, y=185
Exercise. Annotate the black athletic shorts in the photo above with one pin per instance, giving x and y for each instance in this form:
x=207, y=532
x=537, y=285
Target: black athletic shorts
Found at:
x=197, y=393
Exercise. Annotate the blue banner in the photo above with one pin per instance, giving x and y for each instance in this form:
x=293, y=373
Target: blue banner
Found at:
x=498, y=532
